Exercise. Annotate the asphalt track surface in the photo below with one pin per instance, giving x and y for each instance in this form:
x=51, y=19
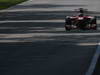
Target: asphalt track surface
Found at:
x=33, y=40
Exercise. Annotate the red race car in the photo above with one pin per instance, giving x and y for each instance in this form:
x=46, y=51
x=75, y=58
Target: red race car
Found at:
x=81, y=21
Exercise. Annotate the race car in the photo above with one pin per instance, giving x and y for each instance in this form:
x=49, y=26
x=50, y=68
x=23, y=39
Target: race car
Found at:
x=81, y=21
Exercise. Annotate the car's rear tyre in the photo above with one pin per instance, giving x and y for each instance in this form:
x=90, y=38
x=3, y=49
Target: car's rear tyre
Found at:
x=67, y=28
x=68, y=24
x=94, y=24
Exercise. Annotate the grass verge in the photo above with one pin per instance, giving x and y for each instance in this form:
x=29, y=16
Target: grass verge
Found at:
x=8, y=3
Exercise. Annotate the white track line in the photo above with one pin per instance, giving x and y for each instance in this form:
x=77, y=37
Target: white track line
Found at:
x=51, y=34
x=15, y=21
x=94, y=61
x=44, y=21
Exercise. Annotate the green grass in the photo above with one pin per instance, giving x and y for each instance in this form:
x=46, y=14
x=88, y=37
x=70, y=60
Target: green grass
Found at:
x=8, y=3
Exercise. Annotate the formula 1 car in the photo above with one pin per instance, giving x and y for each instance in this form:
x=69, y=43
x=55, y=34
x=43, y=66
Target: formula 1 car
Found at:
x=81, y=21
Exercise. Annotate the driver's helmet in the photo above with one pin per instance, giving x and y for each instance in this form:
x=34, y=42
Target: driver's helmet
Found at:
x=81, y=10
